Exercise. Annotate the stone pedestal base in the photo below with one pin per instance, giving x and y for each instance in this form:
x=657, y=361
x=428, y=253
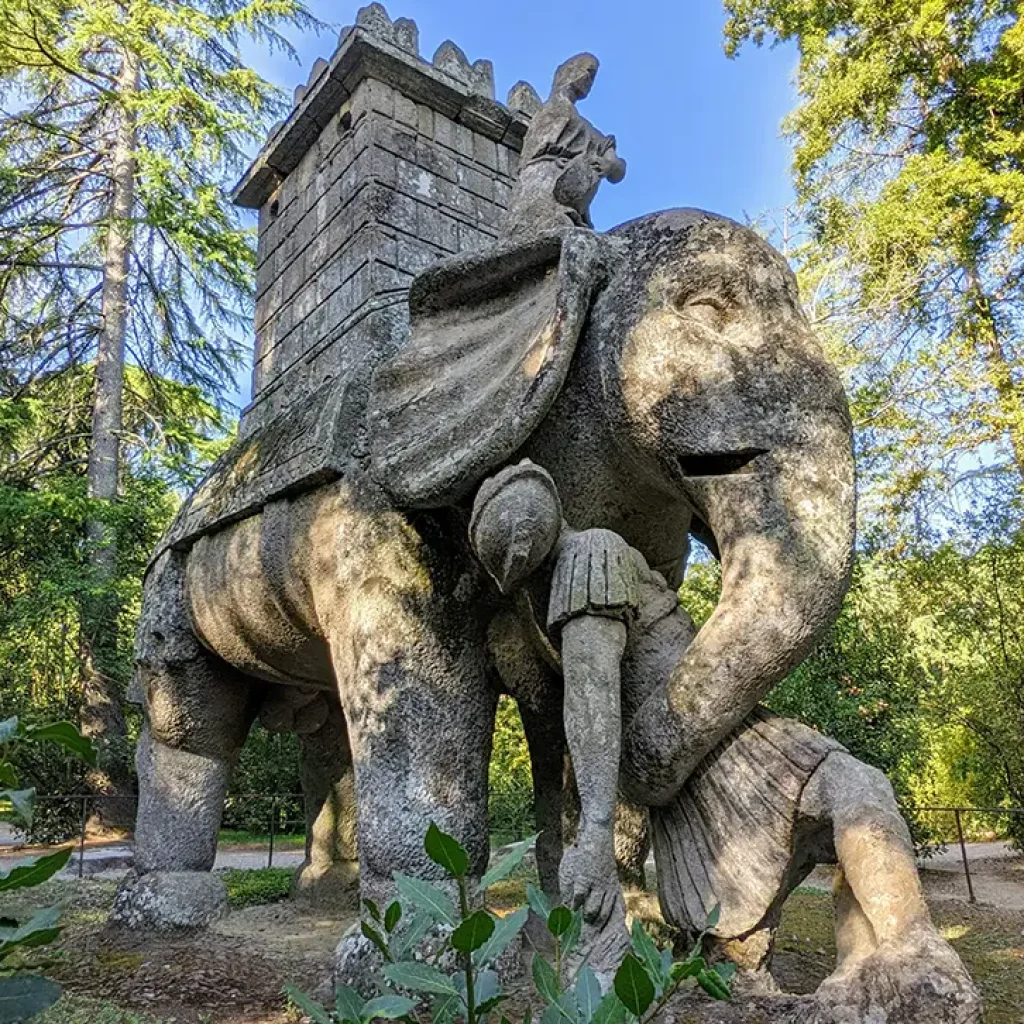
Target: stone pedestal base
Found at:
x=169, y=901
x=357, y=962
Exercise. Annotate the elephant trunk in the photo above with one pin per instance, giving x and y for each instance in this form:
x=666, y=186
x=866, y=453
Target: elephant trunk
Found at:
x=784, y=524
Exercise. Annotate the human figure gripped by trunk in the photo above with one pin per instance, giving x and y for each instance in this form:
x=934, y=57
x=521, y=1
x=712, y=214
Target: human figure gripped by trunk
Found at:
x=761, y=809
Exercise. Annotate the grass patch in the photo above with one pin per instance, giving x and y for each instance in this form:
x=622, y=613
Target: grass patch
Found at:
x=283, y=841
x=255, y=888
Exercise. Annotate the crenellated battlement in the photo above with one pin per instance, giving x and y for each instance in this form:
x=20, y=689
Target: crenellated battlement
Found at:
x=376, y=46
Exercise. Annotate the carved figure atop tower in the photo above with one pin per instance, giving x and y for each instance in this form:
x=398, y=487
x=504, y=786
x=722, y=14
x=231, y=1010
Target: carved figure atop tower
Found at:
x=564, y=158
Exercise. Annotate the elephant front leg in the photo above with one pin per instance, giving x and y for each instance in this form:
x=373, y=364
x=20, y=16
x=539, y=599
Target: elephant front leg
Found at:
x=420, y=718
x=197, y=713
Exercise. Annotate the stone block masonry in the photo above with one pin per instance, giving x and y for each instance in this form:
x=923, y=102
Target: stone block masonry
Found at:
x=386, y=163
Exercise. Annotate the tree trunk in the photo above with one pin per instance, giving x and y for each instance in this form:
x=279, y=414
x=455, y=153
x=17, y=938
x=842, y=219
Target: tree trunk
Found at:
x=102, y=713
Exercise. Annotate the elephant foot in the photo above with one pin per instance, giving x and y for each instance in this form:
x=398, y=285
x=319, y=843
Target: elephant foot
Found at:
x=332, y=886
x=169, y=901
x=919, y=980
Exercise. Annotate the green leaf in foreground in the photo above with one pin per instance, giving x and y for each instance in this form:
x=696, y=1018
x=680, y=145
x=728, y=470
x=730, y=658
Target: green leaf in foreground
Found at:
x=419, y=977
x=392, y=916
x=34, y=871
x=634, y=986
x=428, y=897
x=505, y=930
x=610, y=1010
x=713, y=984
x=473, y=932
x=507, y=864
x=647, y=952
x=446, y=851
x=309, y=1006
x=539, y=903
x=588, y=993
x=67, y=736
x=388, y=1007
x=376, y=938
x=559, y=921
x=544, y=979
x=23, y=801
x=348, y=1004
x=40, y=929
x=24, y=995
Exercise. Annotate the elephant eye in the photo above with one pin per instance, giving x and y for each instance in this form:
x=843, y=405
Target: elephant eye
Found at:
x=709, y=310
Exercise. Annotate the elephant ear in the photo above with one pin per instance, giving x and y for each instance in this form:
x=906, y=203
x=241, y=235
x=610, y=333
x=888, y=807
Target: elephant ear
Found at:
x=492, y=336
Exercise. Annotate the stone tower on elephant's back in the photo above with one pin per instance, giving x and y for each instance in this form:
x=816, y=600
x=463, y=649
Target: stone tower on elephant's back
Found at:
x=386, y=163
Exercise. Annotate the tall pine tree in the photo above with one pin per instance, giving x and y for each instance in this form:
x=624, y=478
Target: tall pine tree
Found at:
x=123, y=122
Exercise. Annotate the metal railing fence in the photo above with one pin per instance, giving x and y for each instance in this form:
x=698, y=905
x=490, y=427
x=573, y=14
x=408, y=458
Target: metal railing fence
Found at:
x=61, y=818
x=959, y=835
x=284, y=812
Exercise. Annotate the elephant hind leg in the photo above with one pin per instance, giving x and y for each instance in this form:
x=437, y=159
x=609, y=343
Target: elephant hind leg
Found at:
x=855, y=938
x=331, y=870
x=632, y=843
x=872, y=844
x=197, y=714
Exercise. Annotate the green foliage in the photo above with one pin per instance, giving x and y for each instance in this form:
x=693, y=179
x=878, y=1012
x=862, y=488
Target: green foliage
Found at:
x=253, y=888
x=510, y=778
x=45, y=575
x=865, y=683
x=477, y=938
x=921, y=675
x=909, y=168
x=70, y=74
x=267, y=766
x=22, y=994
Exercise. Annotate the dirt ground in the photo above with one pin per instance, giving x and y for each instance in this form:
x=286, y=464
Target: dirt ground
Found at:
x=235, y=972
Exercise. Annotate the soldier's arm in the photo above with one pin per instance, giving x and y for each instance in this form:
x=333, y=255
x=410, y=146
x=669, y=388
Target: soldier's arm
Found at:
x=593, y=594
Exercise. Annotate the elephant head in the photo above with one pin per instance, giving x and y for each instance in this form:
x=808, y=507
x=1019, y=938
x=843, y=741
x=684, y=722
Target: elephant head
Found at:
x=717, y=391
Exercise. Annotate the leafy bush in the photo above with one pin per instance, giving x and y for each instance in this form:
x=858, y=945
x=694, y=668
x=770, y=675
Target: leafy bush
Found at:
x=23, y=994
x=267, y=766
x=255, y=888
x=475, y=939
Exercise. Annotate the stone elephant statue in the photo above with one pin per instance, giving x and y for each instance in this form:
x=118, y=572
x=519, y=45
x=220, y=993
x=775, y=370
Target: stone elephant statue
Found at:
x=666, y=377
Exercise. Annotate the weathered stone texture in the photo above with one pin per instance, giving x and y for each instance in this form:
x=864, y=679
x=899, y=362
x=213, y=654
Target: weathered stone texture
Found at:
x=390, y=186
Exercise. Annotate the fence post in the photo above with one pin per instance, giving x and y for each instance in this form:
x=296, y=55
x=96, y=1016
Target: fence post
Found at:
x=81, y=841
x=963, y=855
x=273, y=830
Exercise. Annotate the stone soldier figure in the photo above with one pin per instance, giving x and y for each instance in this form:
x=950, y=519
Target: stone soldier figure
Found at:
x=564, y=158
x=764, y=806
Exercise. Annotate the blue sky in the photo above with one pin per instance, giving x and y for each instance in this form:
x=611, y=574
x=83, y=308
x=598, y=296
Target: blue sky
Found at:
x=696, y=128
